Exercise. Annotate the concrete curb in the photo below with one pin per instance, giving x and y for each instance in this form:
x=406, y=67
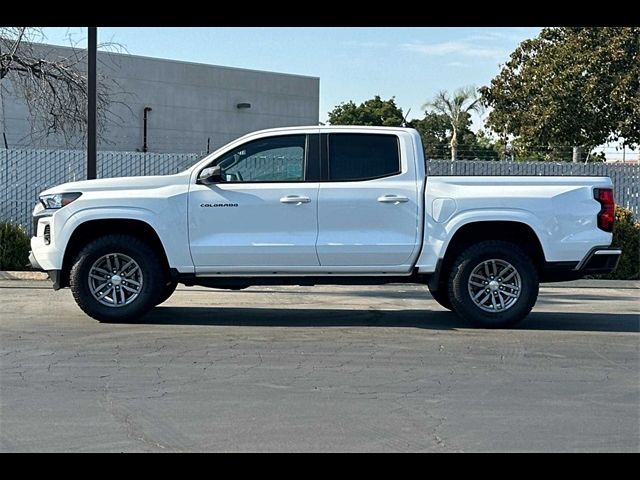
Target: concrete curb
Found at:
x=592, y=283
x=585, y=283
x=4, y=275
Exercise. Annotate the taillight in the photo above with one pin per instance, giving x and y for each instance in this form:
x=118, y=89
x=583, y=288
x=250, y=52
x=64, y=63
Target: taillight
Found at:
x=607, y=213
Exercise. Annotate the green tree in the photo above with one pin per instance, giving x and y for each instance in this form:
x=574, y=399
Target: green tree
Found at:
x=434, y=128
x=374, y=111
x=483, y=147
x=456, y=108
x=435, y=131
x=569, y=87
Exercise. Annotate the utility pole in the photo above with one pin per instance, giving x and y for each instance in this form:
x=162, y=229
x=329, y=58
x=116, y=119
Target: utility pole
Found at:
x=91, y=102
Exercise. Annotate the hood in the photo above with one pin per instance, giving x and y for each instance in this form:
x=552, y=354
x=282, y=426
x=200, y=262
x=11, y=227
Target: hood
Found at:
x=112, y=184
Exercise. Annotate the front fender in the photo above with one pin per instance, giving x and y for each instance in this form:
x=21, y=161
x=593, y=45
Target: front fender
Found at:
x=173, y=239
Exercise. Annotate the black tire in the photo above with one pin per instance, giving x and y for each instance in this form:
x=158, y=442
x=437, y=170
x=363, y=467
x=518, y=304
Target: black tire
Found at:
x=459, y=288
x=442, y=297
x=153, y=278
x=169, y=288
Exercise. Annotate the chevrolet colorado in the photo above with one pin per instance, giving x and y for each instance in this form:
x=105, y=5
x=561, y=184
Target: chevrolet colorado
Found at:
x=323, y=205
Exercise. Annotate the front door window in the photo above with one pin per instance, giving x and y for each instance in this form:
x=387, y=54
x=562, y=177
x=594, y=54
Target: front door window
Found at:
x=273, y=159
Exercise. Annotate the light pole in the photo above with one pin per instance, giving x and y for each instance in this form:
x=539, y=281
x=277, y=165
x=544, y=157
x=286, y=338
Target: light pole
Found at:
x=91, y=102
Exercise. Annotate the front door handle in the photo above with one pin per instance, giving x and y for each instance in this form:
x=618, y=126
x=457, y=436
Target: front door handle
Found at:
x=392, y=199
x=297, y=199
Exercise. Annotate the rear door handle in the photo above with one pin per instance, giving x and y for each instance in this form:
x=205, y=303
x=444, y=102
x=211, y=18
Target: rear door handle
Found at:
x=392, y=199
x=297, y=199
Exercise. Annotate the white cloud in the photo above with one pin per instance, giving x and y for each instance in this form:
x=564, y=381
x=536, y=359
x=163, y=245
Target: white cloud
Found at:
x=456, y=64
x=511, y=35
x=457, y=47
x=488, y=37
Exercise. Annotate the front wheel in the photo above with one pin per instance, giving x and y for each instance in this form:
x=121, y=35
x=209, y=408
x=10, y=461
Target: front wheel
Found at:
x=117, y=278
x=493, y=284
x=442, y=297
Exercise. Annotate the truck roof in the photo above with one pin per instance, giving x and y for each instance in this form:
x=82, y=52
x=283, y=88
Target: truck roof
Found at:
x=333, y=128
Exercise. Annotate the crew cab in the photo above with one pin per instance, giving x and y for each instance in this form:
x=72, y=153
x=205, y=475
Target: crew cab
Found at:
x=323, y=205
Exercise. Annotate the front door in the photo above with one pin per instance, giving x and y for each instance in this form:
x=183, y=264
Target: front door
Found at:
x=262, y=216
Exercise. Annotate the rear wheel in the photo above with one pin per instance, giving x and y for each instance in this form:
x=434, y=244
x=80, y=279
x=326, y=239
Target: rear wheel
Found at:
x=117, y=278
x=169, y=288
x=493, y=284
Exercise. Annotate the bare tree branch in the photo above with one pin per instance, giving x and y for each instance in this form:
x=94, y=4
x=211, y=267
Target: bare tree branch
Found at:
x=54, y=87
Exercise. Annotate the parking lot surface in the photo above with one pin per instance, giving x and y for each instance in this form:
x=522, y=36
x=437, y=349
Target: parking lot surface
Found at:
x=381, y=368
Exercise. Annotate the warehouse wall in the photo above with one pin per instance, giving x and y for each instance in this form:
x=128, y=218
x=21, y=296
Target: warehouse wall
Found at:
x=190, y=102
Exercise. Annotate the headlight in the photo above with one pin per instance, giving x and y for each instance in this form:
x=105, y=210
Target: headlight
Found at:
x=58, y=200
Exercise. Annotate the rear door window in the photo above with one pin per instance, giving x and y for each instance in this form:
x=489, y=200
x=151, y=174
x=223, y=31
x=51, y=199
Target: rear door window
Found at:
x=360, y=156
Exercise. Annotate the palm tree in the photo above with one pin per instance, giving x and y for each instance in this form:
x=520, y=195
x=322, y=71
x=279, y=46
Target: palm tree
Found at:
x=464, y=100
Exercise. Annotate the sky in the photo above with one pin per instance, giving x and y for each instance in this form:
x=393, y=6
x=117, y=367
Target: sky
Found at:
x=353, y=63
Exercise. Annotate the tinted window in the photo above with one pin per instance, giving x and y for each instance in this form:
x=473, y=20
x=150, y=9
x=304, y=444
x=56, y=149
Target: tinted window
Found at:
x=357, y=156
x=273, y=159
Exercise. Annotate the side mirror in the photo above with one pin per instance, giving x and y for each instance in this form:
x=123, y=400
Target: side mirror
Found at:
x=210, y=175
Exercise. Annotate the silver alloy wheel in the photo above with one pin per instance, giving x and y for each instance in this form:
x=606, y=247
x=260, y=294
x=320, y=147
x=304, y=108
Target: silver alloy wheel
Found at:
x=494, y=285
x=115, y=279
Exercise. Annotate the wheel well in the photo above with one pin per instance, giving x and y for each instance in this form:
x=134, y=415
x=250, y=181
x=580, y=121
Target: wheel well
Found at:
x=88, y=231
x=471, y=233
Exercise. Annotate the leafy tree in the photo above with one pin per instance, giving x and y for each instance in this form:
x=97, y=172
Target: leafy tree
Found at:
x=374, y=111
x=435, y=128
x=482, y=146
x=570, y=86
x=435, y=131
x=456, y=108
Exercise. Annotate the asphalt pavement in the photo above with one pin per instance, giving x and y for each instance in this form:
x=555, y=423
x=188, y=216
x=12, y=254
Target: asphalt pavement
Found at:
x=380, y=368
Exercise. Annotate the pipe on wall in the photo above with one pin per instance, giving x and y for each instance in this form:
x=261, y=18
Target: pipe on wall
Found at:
x=144, y=141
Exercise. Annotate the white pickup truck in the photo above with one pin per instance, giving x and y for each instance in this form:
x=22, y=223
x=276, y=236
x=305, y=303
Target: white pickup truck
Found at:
x=323, y=205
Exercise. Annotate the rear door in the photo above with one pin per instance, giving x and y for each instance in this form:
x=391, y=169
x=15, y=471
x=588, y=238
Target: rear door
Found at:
x=367, y=203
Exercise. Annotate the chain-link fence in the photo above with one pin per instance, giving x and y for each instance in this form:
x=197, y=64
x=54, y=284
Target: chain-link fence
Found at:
x=24, y=173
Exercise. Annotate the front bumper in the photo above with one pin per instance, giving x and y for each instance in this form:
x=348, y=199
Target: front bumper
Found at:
x=54, y=275
x=44, y=254
x=34, y=263
x=45, y=257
